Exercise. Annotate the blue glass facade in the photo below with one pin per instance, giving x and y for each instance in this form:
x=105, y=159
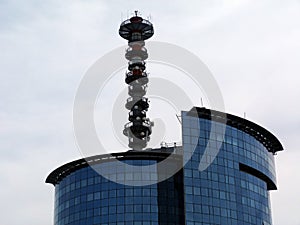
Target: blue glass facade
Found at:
x=233, y=188
x=86, y=198
x=224, y=193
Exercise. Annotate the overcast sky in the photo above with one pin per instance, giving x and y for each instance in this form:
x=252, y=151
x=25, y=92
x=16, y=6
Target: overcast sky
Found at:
x=251, y=47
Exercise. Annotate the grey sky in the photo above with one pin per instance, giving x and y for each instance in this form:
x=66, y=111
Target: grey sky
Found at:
x=252, y=48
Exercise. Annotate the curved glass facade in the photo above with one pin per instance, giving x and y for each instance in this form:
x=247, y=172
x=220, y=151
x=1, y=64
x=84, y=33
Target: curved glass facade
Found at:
x=86, y=198
x=223, y=193
x=233, y=188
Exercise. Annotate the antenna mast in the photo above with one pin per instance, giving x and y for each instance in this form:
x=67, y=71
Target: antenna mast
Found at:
x=136, y=30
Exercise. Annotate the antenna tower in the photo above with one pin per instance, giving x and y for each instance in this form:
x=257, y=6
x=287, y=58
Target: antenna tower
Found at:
x=139, y=128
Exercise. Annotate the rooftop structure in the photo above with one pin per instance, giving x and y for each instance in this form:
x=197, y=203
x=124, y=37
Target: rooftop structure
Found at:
x=136, y=30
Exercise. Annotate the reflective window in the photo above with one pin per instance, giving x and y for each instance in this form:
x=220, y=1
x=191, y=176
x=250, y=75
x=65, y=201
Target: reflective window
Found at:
x=226, y=194
x=85, y=197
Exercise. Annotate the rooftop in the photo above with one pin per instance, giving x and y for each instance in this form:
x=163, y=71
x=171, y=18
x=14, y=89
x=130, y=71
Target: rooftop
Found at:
x=265, y=137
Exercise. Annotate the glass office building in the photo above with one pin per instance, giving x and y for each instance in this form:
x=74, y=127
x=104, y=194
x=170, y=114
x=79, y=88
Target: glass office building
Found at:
x=222, y=174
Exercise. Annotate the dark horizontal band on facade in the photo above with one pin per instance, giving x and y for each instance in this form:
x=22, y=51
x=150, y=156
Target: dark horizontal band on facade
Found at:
x=265, y=137
x=254, y=172
x=156, y=154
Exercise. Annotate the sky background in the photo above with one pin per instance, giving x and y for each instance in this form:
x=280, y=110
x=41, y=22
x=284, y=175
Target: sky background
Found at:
x=251, y=47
